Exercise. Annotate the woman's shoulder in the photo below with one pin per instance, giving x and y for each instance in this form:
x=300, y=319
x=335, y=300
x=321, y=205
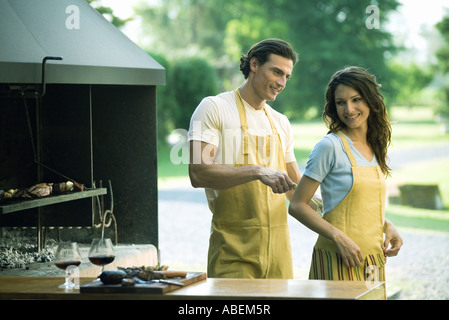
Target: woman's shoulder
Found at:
x=330, y=142
x=330, y=149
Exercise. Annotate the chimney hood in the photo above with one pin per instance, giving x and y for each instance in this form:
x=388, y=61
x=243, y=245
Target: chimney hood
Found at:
x=94, y=51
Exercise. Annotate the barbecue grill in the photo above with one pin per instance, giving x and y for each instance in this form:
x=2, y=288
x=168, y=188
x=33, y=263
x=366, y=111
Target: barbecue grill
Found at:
x=76, y=104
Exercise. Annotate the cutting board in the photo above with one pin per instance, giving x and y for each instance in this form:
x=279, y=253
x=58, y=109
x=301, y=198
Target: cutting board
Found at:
x=151, y=288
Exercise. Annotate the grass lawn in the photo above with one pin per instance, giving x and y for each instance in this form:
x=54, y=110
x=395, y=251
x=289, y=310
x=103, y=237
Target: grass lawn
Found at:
x=418, y=219
x=412, y=128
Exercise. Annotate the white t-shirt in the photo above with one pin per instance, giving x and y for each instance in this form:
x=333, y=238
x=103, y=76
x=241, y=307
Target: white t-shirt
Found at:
x=216, y=121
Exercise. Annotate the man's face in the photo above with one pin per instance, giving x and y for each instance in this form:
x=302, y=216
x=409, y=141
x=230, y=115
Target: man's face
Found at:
x=271, y=78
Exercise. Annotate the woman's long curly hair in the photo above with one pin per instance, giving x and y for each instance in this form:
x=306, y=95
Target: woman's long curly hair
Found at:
x=379, y=128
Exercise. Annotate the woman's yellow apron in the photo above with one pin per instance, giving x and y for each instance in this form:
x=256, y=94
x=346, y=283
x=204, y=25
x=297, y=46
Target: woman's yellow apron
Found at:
x=249, y=234
x=360, y=216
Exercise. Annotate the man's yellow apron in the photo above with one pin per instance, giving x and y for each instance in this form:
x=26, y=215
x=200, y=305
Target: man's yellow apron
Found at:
x=249, y=234
x=361, y=216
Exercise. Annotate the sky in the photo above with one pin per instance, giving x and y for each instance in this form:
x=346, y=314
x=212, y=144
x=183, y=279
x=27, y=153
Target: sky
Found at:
x=406, y=23
x=412, y=14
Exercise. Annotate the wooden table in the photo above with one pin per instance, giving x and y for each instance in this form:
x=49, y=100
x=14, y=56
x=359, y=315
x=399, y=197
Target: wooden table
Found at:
x=220, y=289
x=258, y=289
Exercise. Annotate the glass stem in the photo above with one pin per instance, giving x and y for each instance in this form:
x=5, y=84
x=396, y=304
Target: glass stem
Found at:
x=67, y=279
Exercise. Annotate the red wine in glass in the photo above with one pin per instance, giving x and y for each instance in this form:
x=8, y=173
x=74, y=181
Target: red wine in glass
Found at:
x=101, y=260
x=67, y=254
x=101, y=252
x=64, y=264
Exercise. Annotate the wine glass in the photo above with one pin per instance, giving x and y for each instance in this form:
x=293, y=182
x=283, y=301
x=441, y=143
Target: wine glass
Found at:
x=101, y=252
x=67, y=257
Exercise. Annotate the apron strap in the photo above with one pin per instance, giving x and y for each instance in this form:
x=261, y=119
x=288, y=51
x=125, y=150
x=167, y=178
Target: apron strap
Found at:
x=244, y=123
x=347, y=149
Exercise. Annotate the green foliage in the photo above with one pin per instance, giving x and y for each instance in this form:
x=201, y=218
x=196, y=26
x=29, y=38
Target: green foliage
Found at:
x=181, y=27
x=165, y=101
x=109, y=14
x=328, y=36
x=443, y=53
x=421, y=219
x=192, y=79
x=407, y=82
x=189, y=80
x=443, y=59
x=248, y=32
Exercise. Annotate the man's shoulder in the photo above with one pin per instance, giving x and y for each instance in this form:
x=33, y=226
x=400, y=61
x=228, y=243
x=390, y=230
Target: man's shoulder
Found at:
x=227, y=97
x=218, y=108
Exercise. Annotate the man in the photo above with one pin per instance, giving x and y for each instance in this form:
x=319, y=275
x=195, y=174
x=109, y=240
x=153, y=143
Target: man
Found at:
x=241, y=152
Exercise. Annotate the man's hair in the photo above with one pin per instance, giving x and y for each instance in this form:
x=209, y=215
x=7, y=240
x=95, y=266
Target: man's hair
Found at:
x=262, y=50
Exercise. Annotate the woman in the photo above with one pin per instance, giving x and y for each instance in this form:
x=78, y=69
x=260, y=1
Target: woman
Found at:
x=350, y=166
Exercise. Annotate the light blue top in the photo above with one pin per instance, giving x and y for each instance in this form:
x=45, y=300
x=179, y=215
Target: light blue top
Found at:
x=329, y=164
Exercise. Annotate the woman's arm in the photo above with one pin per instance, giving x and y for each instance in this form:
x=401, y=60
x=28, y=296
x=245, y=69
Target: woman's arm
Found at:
x=299, y=208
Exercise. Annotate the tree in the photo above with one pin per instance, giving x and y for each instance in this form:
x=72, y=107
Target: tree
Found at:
x=328, y=36
x=443, y=59
x=108, y=13
x=192, y=27
x=192, y=79
x=166, y=103
x=443, y=53
x=407, y=81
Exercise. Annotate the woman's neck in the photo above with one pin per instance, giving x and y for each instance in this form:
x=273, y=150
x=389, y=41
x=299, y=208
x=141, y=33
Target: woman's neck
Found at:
x=356, y=135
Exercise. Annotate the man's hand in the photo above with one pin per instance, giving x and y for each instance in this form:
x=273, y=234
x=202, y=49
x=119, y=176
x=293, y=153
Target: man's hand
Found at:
x=277, y=180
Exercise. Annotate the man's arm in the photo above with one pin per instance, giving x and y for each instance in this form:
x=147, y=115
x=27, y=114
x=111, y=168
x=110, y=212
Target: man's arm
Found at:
x=205, y=173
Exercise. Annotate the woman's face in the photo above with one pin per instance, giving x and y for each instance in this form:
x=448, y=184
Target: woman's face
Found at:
x=351, y=108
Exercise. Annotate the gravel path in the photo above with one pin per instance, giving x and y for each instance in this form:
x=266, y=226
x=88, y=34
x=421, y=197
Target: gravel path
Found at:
x=420, y=271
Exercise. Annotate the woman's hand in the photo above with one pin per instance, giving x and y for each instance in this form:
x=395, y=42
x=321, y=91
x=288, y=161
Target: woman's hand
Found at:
x=392, y=237
x=349, y=250
x=299, y=208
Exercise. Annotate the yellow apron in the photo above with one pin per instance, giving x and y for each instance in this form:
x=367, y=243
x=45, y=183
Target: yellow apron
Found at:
x=249, y=234
x=361, y=216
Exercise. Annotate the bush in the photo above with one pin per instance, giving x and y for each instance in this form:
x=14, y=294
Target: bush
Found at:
x=165, y=101
x=192, y=79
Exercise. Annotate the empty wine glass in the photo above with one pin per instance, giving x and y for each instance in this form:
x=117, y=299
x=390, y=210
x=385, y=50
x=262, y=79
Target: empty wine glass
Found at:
x=101, y=252
x=68, y=258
